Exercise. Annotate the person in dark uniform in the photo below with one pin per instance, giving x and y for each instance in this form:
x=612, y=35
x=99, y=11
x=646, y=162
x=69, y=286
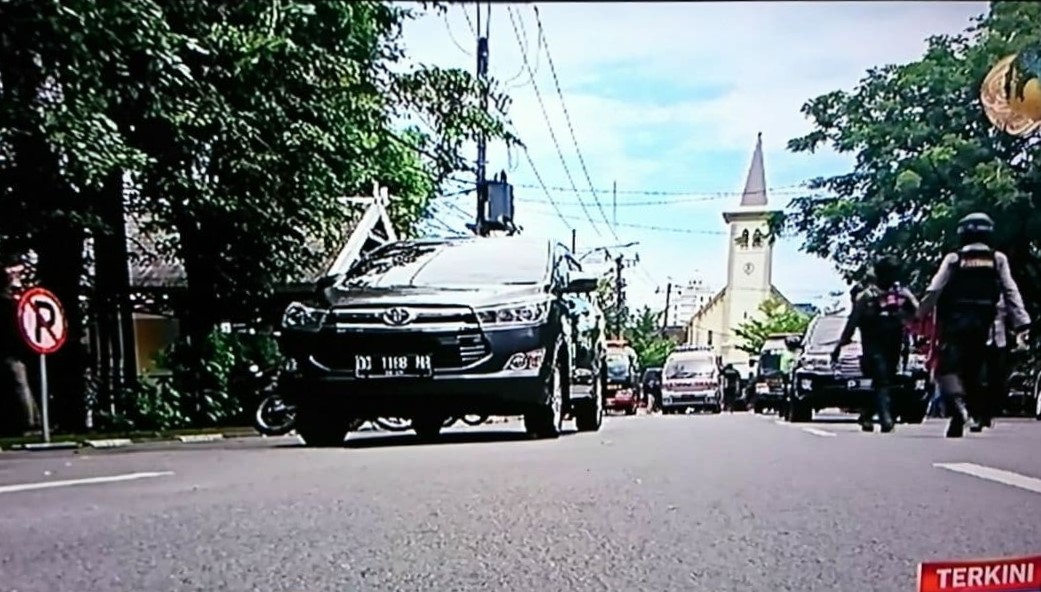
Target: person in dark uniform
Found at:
x=731, y=386
x=18, y=411
x=965, y=293
x=881, y=312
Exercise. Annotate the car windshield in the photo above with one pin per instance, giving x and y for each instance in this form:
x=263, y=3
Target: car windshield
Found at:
x=462, y=264
x=618, y=367
x=689, y=368
x=825, y=334
x=651, y=375
x=770, y=362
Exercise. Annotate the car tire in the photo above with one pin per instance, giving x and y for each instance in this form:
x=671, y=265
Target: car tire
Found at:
x=800, y=412
x=716, y=409
x=589, y=414
x=428, y=427
x=545, y=420
x=758, y=409
x=913, y=414
x=321, y=429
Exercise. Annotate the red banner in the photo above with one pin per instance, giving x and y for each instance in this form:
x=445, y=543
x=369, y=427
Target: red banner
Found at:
x=1015, y=574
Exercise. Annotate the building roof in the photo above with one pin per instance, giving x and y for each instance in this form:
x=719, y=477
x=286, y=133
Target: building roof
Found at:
x=755, y=184
x=365, y=226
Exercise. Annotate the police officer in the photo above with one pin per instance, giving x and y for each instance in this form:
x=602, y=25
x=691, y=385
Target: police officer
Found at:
x=731, y=386
x=965, y=292
x=18, y=411
x=881, y=313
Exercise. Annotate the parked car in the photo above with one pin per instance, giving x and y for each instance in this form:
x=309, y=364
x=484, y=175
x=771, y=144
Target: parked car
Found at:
x=650, y=387
x=430, y=329
x=622, y=387
x=690, y=380
x=771, y=383
x=818, y=384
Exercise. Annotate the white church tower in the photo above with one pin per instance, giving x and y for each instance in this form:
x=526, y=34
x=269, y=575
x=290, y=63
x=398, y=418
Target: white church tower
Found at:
x=749, y=273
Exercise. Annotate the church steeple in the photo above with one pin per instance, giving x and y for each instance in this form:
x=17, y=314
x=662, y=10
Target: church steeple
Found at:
x=755, y=184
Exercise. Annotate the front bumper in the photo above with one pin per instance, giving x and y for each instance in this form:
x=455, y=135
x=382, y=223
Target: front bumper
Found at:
x=470, y=370
x=682, y=400
x=849, y=391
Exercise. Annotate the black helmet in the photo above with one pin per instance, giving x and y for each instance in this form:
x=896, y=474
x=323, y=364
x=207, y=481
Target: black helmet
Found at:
x=976, y=223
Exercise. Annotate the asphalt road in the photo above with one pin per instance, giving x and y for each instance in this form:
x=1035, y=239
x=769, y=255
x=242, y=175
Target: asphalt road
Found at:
x=714, y=503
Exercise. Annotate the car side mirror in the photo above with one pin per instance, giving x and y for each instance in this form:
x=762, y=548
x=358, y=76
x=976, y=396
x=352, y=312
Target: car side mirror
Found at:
x=582, y=284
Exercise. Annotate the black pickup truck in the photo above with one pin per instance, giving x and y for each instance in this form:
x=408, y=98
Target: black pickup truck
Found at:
x=818, y=384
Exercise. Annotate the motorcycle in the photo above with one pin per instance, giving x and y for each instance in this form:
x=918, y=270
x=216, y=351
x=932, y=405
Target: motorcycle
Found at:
x=276, y=413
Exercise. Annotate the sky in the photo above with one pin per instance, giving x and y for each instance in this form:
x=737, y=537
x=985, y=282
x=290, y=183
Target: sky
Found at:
x=666, y=100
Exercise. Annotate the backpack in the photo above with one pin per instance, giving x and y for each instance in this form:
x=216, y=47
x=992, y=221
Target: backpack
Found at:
x=884, y=316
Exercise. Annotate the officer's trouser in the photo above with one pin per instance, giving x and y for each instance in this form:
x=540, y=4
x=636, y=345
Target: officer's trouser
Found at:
x=963, y=348
x=18, y=410
x=991, y=399
x=880, y=366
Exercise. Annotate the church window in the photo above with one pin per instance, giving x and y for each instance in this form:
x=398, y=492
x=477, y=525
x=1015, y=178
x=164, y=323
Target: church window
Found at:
x=710, y=338
x=757, y=238
x=743, y=239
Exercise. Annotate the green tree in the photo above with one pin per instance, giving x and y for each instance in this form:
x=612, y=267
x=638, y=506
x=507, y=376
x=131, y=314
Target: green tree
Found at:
x=616, y=314
x=777, y=317
x=644, y=334
x=925, y=155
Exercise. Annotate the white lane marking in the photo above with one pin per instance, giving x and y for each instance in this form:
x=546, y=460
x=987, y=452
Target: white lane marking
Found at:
x=86, y=481
x=816, y=432
x=992, y=474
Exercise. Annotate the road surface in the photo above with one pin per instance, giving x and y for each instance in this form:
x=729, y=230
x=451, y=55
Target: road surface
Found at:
x=663, y=503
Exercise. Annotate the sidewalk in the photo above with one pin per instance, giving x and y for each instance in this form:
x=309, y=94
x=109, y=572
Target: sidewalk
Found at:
x=117, y=439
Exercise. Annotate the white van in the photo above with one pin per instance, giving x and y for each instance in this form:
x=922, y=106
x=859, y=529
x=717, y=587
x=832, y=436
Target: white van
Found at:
x=691, y=380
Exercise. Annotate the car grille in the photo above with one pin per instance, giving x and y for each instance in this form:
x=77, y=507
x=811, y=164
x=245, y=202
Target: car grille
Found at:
x=848, y=367
x=422, y=316
x=449, y=350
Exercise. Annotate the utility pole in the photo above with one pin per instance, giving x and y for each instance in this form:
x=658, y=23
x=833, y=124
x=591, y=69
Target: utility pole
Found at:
x=619, y=295
x=668, y=298
x=482, y=140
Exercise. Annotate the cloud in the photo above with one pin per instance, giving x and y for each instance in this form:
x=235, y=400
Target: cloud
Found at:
x=670, y=96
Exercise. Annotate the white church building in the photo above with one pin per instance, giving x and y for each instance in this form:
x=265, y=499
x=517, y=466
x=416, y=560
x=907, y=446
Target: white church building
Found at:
x=749, y=272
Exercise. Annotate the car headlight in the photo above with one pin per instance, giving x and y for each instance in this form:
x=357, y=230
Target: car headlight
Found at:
x=523, y=313
x=301, y=316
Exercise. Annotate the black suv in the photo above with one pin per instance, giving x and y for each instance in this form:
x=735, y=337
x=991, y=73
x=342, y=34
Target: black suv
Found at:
x=817, y=384
x=432, y=329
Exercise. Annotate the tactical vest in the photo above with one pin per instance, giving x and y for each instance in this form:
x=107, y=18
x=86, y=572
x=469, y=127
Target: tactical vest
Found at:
x=885, y=314
x=974, y=287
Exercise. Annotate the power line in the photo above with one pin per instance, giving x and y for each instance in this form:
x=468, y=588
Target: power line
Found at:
x=451, y=35
x=549, y=196
x=656, y=228
x=656, y=192
x=549, y=124
x=671, y=202
x=567, y=119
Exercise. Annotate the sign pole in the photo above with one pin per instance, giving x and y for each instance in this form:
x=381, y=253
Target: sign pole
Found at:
x=44, y=407
x=44, y=328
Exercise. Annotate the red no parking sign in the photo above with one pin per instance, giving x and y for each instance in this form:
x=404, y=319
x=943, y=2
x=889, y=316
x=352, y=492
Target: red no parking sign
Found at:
x=44, y=327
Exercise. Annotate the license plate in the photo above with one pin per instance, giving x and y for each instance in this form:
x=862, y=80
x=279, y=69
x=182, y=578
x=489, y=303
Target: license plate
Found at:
x=376, y=366
x=762, y=388
x=863, y=383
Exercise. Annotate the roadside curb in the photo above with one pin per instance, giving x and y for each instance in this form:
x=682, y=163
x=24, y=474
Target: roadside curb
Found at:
x=109, y=443
x=196, y=438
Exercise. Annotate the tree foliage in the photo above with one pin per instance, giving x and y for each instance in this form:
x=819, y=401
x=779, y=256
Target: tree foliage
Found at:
x=231, y=128
x=644, y=334
x=925, y=155
x=777, y=317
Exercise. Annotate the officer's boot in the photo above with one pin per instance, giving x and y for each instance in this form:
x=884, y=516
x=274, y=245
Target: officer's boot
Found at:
x=884, y=416
x=959, y=417
x=866, y=421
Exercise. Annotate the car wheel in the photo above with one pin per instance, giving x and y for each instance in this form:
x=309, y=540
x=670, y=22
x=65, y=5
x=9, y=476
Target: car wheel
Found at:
x=428, y=427
x=800, y=412
x=589, y=415
x=545, y=420
x=758, y=409
x=913, y=414
x=320, y=428
x=1037, y=408
x=717, y=409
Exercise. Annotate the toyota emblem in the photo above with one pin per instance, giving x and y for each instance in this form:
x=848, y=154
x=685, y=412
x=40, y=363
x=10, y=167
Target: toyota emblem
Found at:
x=397, y=316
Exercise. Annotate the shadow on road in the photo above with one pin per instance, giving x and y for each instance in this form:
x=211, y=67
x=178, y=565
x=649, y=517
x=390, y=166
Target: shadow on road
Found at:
x=408, y=439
